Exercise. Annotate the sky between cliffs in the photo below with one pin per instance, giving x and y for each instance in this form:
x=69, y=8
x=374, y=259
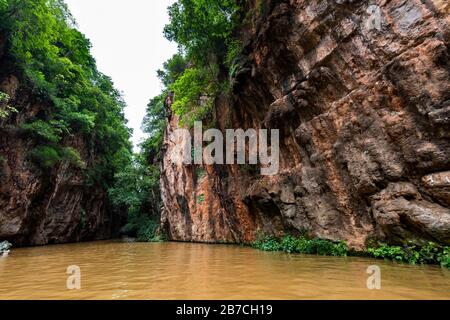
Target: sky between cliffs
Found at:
x=129, y=46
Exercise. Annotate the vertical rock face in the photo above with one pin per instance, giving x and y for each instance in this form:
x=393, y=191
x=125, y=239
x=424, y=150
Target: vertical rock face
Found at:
x=39, y=207
x=361, y=93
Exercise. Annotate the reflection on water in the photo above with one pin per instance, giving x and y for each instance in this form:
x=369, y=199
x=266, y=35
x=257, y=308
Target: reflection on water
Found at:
x=117, y=270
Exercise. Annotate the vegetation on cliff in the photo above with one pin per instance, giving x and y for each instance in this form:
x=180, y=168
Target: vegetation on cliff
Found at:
x=5, y=109
x=137, y=186
x=53, y=60
x=204, y=32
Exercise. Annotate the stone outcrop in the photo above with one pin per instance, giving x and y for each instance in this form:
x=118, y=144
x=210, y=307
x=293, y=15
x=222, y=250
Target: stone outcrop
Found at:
x=44, y=207
x=361, y=93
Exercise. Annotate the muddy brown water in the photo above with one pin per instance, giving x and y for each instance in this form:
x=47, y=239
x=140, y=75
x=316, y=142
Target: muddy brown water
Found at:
x=118, y=270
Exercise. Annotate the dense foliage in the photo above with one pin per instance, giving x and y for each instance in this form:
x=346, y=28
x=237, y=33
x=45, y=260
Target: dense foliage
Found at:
x=204, y=31
x=5, y=109
x=301, y=244
x=203, y=28
x=192, y=78
x=137, y=190
x=54, y=62
x=138, y=186
x=430, y=253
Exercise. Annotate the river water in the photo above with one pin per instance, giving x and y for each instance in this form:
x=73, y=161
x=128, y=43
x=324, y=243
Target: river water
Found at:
x=120, y=270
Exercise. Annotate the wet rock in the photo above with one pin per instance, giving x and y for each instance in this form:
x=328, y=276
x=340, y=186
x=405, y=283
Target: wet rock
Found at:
x=4, y=247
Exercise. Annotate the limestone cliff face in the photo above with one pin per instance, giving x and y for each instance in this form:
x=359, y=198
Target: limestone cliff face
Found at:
x=39, y=207
x=363, y=107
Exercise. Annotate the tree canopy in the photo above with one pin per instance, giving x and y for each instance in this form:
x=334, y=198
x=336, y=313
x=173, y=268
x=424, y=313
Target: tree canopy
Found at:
x=205, y=33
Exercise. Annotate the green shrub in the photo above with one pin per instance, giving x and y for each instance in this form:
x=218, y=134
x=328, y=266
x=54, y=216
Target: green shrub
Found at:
x=143, y=227
x=194, y=94
x=340, y=249
x=4, y=98
x=48, y=131
x=320, y=247
x=3, y=5
x=444, y=257
x=5, y=109
x=232, y=57
x=172, y=69
x=73, y=157
x=430, y=253
x=147, y=231
x=267, y=243
x=302, y=245
x=45, y=156
x=392, y=253
x=48, y=156
x=289, y=244
x=82, y=122
x=200, y=173
x=201, y=199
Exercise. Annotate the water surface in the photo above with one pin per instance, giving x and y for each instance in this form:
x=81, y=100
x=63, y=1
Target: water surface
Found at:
x=119, y=270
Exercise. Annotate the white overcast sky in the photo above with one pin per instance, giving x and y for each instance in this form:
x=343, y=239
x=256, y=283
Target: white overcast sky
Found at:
x=129, y=46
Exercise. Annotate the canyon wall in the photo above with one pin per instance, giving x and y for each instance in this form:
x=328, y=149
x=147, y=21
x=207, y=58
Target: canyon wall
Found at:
x=49, y=206
x=363, y=108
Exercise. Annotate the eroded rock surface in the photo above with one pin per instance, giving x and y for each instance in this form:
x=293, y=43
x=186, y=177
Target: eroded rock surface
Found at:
x=365, y=127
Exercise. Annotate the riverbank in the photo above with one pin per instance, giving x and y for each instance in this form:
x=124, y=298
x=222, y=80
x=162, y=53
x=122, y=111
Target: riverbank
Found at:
x=429, y=253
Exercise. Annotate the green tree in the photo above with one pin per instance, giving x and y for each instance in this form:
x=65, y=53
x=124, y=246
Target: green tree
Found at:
x=202, y=27
x=137, y=190
x=204, y=31
x=172, y=69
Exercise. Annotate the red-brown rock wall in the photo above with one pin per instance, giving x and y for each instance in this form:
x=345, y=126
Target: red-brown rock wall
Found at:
x=364, y=114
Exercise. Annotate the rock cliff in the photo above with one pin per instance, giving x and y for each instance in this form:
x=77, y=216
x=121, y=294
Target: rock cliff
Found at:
x=361, y=93
x=37, y=206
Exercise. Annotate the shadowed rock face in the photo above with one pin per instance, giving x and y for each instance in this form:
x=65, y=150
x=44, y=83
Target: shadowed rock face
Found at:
x=37, y=207
x=364, y=115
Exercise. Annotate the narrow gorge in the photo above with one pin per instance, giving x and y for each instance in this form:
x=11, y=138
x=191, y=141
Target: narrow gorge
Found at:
x=114, y=185
x=355, y=93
